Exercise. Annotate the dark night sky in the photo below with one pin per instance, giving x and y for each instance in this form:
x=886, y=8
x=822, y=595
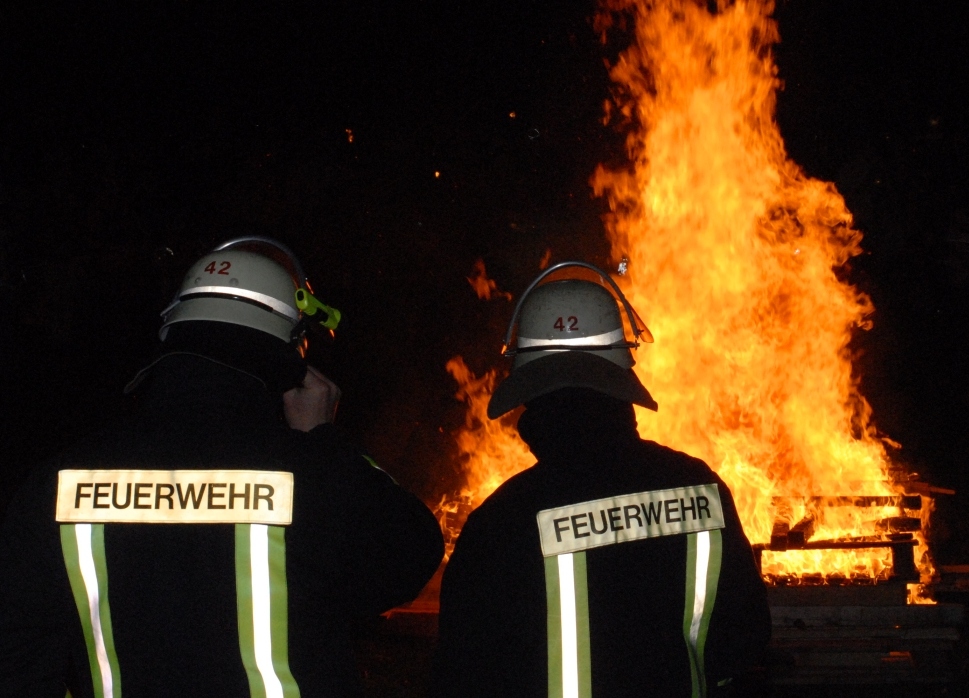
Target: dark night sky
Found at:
x=132, y=139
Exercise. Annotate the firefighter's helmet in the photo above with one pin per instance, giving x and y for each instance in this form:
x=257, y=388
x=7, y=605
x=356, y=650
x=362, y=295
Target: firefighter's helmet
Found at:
x=252, y=281
x=571, y=334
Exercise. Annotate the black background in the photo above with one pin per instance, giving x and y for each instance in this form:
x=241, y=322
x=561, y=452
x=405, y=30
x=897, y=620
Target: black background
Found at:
x=134, y=138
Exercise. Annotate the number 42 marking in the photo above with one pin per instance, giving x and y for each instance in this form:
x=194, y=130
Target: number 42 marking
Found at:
x=573, y=324
x=224, y=269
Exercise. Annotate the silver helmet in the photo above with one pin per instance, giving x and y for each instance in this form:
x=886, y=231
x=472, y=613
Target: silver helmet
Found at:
x=252, y=281
x=571, y=334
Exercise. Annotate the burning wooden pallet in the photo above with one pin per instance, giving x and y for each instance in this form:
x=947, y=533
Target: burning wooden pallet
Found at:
x=894, y=533
x=857, y=628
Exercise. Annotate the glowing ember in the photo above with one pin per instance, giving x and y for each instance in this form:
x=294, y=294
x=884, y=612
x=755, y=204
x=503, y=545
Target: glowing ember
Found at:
x=483, y=286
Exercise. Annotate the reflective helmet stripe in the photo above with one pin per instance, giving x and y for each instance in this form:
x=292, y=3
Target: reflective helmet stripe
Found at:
x=704, y=552
x=597, y=340
x=263, y=610
x=83, y=548
x=567, y=603
x=277, y=306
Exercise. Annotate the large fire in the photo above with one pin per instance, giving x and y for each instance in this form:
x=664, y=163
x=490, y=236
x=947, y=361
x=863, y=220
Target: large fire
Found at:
x=734, y=256
x=491, y=451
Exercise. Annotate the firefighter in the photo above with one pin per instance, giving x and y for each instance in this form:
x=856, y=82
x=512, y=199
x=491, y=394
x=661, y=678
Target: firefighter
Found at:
x=222, y=539
x=614, y=566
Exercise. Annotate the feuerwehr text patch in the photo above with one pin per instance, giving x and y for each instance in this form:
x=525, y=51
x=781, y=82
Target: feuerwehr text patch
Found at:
x=175, y=496
x=629, y=517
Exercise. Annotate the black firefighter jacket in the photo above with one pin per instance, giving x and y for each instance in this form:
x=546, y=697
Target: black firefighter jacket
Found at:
x=206, y=609
x=637, y=605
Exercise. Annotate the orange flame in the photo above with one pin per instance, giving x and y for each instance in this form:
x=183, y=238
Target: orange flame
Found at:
x=484, y=286
x=491, y=450
x=734, y=256
x=546, y=258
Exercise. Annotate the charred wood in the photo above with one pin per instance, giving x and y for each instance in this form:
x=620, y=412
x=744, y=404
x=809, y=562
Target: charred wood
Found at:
x=801, y=532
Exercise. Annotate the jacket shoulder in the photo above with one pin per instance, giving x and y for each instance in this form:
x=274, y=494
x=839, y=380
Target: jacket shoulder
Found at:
x=678, y=462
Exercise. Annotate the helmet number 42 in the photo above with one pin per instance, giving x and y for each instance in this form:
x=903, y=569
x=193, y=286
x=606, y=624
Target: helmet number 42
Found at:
x=572, y=326
x=223, y=268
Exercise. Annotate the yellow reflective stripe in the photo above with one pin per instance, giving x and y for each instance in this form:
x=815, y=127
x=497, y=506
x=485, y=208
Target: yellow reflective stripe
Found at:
x=570, y=650
x=703, y=559
x=373, y=464
x=262, y=610
x=83, y=549
x=553, y=627
x=567, y=599
x=712, y=581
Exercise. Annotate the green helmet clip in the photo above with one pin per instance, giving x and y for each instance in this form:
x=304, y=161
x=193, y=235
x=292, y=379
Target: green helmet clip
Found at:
x=310, y=305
